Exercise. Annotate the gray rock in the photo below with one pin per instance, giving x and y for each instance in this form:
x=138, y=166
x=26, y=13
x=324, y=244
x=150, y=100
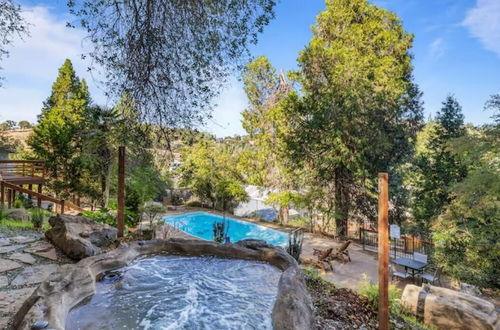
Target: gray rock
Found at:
x=43, y=249
x=10, y=248
x=75, y=282
x=34, y=275
x=24, y=239
x=448, y=309
x=6, y=265
x=18, y=215
x=10, y=301
x=4, y=241
x=4, y=281
x=79, y=237
x=293, y=308
x=23, y=257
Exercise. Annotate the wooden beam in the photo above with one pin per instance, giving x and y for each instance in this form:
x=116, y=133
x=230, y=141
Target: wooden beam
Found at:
x=29, y=192
x=2, y=194
x=383, y=251
x=120, y=219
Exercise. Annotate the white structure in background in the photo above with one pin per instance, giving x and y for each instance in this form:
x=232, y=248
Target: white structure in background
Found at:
x=256, y=205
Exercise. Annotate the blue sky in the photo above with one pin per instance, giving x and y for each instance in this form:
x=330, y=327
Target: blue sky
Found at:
x=456, y=50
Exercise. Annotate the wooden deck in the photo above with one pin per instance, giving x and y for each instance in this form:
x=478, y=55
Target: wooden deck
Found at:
x=19, y=176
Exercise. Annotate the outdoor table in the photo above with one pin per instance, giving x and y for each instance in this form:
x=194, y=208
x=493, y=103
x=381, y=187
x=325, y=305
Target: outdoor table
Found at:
x=414, y=265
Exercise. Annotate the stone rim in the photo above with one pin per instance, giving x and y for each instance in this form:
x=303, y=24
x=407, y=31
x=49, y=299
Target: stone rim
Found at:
x=74, y=283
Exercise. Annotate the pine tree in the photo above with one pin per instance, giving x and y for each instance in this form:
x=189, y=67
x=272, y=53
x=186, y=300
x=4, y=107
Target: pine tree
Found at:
x=436, y=169
x=56, y=138
x=451, y=117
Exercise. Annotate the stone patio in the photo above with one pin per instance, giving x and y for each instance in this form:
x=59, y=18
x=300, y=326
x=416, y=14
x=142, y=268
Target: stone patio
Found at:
x=26, y=259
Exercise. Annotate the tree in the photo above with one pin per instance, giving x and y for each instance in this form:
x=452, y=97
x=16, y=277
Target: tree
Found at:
x=12, y=25
x=57, y=138
x=210, y=170
x=170, y=56
x=8, y=125
x=354, y=116
x=435, y=168
x=466, y=233
x=451, y=117
x=264, y=160
x=24, y=124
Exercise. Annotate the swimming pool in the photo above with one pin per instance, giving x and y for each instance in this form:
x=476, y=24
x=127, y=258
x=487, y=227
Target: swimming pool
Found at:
x=200, y=224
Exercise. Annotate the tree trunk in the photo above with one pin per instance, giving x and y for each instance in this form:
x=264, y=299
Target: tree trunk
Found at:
x=107, y=184
x=341, y=203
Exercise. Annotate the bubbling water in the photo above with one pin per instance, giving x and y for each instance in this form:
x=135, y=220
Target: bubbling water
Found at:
x=172, y=292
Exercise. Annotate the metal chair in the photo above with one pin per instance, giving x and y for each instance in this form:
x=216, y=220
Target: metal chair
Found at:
x=401, y=275
x=420, y=257
x=432, y=278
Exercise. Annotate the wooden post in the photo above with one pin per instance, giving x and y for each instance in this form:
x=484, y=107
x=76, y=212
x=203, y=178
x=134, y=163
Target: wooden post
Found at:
x=383, y=251
x=39, y=200
x=120, y=220
x=62, y=207
x=2, y=194
x=9, y=198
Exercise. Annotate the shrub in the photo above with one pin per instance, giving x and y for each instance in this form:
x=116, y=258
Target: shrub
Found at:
x=220, y=231
x=37, y=217
x=370, y=291
x=101, y=216
x=18, y=204
x=194, y=204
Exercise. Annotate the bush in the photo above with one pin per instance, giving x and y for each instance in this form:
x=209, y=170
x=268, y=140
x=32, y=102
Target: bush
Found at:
x=194, y=204
x=18, y=204
x=103, y=215
x=37, y=217
x=370, y=291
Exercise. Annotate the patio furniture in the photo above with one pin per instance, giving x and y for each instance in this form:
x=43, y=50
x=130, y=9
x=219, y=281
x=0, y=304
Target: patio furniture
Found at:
x=420, y=257
x=433, y=278
x=415, y=266
x=395, y=273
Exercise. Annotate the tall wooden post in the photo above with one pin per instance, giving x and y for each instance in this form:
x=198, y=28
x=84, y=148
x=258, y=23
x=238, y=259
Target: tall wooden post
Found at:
x=120, y=221
x=383, y=251
x=2, y=194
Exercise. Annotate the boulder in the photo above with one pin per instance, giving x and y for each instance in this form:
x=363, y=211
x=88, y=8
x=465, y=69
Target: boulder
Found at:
x=79, y=237
x=18, y=215
x=448, y=309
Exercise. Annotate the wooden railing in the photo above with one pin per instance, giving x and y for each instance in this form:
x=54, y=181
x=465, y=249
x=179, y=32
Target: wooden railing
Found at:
x=7, y=192
x=33, y=168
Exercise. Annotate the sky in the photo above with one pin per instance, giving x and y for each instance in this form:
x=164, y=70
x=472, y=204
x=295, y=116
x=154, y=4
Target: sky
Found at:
x=456, y=51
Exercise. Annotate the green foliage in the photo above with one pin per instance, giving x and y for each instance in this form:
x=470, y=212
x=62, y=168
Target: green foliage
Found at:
x=220, y=229
x=371, y=292
x=56, y=138
x=18, y=204
x=210, y=170
x=358, y=107
x=37, y=217
x=435, y=167
x=151, y=213
x=24, y=124
x=102, y=215
x=466, y=233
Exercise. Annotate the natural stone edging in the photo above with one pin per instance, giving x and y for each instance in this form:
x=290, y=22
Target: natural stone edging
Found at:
x=55, y=297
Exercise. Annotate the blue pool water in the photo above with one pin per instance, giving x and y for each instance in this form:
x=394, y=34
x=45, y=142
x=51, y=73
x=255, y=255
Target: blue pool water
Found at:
x=200, y=224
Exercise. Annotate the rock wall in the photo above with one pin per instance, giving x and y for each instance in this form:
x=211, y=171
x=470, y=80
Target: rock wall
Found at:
x=54, y=298
x=449, y=309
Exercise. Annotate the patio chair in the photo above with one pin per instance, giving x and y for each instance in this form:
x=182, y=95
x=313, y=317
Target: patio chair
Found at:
x=420, y=257
x=394, y=273
x=433, y=278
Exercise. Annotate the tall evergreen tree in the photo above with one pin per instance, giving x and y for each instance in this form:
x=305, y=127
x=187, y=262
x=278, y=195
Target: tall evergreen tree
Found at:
x=56, y=138
x=435, y=168
x=350, y=121
x=451, y=117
